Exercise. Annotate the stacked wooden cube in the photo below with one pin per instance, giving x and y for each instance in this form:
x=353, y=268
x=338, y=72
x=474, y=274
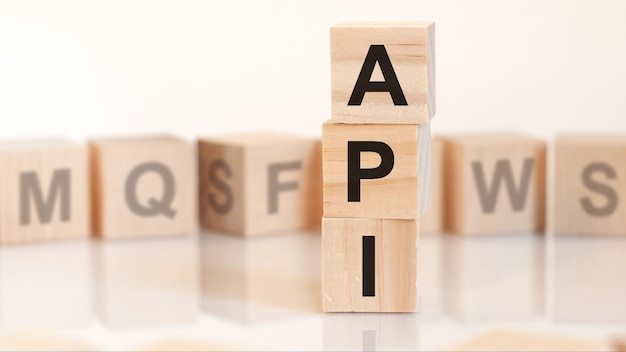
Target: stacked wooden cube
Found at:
x=376, y=156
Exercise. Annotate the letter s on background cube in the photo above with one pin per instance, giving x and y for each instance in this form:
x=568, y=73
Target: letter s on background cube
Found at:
x=589, y=184
x=260, y=183
x=143, y=186
x=44, y=191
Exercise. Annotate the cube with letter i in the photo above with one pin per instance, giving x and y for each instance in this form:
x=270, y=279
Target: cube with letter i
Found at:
x=45, y=191
x=260, y=183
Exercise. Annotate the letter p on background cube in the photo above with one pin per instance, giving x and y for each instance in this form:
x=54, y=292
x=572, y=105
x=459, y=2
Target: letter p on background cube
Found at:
x=44, y=191
x=383, y=73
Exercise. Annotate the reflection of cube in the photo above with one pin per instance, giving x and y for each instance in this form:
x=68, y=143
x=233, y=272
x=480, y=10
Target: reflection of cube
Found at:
x=383, y=72
x=147, y=284
x=590, y=174
x=432, y=220
x=247, y=282
x=376, y=171
x=44, y=191
x=494, y=183
x=260, y=183
x=143, y=186
x=371, y=332
x=496, y=279
x=589, y=286
x=369, y=265
x=46, y=286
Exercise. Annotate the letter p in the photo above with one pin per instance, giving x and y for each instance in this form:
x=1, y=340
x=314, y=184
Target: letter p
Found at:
x=356, y=173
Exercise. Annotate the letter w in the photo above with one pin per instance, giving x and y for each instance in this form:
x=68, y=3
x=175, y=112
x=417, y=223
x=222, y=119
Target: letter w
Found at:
x=503, y=173
x=60, y=186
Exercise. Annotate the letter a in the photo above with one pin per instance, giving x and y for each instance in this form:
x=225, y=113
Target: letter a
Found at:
x=377, y=53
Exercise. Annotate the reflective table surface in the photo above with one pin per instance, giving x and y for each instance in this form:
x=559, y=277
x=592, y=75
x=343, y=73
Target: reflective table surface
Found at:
x=213, y=291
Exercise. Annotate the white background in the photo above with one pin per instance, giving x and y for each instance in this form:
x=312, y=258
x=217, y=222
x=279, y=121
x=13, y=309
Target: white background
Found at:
x=82, y=68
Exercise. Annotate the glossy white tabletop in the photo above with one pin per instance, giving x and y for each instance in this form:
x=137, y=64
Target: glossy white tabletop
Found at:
x=217, y=291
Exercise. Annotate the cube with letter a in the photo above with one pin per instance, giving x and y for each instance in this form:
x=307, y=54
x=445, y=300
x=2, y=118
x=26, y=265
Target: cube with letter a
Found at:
x=45, y=191
x=259, y=183
x=383, y=73
x=143, y=186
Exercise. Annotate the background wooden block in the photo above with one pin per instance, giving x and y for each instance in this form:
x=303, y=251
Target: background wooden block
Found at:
x=143, y=186
x=409, y=46
x=432, y=219
x=348, y=282
x=44, y=191
x=590, y=174
x=494, y=183
x=402, y=194
x=260, y=183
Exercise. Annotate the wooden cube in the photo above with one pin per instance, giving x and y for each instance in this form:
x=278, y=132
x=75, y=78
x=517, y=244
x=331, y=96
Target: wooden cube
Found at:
x=45, y=192
x=260, y=183
x=494, y=183
x=590, y=173
x=432, y=220
x=369, y=265
x=383, y=73
x=143, y=186
x=376, y=171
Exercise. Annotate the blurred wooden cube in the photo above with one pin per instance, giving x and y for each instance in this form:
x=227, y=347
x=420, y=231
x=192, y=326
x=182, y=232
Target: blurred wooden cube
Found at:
x=432, y=220
x=45, y=192
x=383, y=73
x=494, y=183
x=143, y=186
x=369, y=265
x=590, y=179
x=260, y=183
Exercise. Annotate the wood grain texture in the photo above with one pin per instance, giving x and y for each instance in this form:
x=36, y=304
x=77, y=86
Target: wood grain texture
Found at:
x=114, y=160
x=241, y=174
x=510, y=153
x=410, y=47
x=601, y=160
x=395, y=196
x=44, y=159
x=432, y=220
x=395, y=265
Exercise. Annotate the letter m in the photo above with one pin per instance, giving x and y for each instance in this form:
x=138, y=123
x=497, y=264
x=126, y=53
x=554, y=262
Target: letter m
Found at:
x=31, y=189
x=503, y=173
